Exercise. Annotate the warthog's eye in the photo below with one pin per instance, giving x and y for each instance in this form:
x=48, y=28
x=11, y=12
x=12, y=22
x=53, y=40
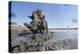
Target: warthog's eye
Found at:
x=39, y=21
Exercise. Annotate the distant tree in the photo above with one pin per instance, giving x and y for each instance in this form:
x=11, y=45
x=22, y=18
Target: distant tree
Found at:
x=74, y=20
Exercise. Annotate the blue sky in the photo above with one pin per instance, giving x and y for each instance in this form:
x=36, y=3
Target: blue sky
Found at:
x=57, y=15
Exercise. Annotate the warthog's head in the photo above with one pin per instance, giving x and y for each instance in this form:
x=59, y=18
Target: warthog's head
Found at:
x=37, y=16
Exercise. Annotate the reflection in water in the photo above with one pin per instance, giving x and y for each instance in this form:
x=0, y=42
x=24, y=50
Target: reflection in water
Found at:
x=71, y=34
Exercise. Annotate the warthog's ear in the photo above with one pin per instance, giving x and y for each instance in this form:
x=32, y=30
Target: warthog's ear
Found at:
x=30, y=17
